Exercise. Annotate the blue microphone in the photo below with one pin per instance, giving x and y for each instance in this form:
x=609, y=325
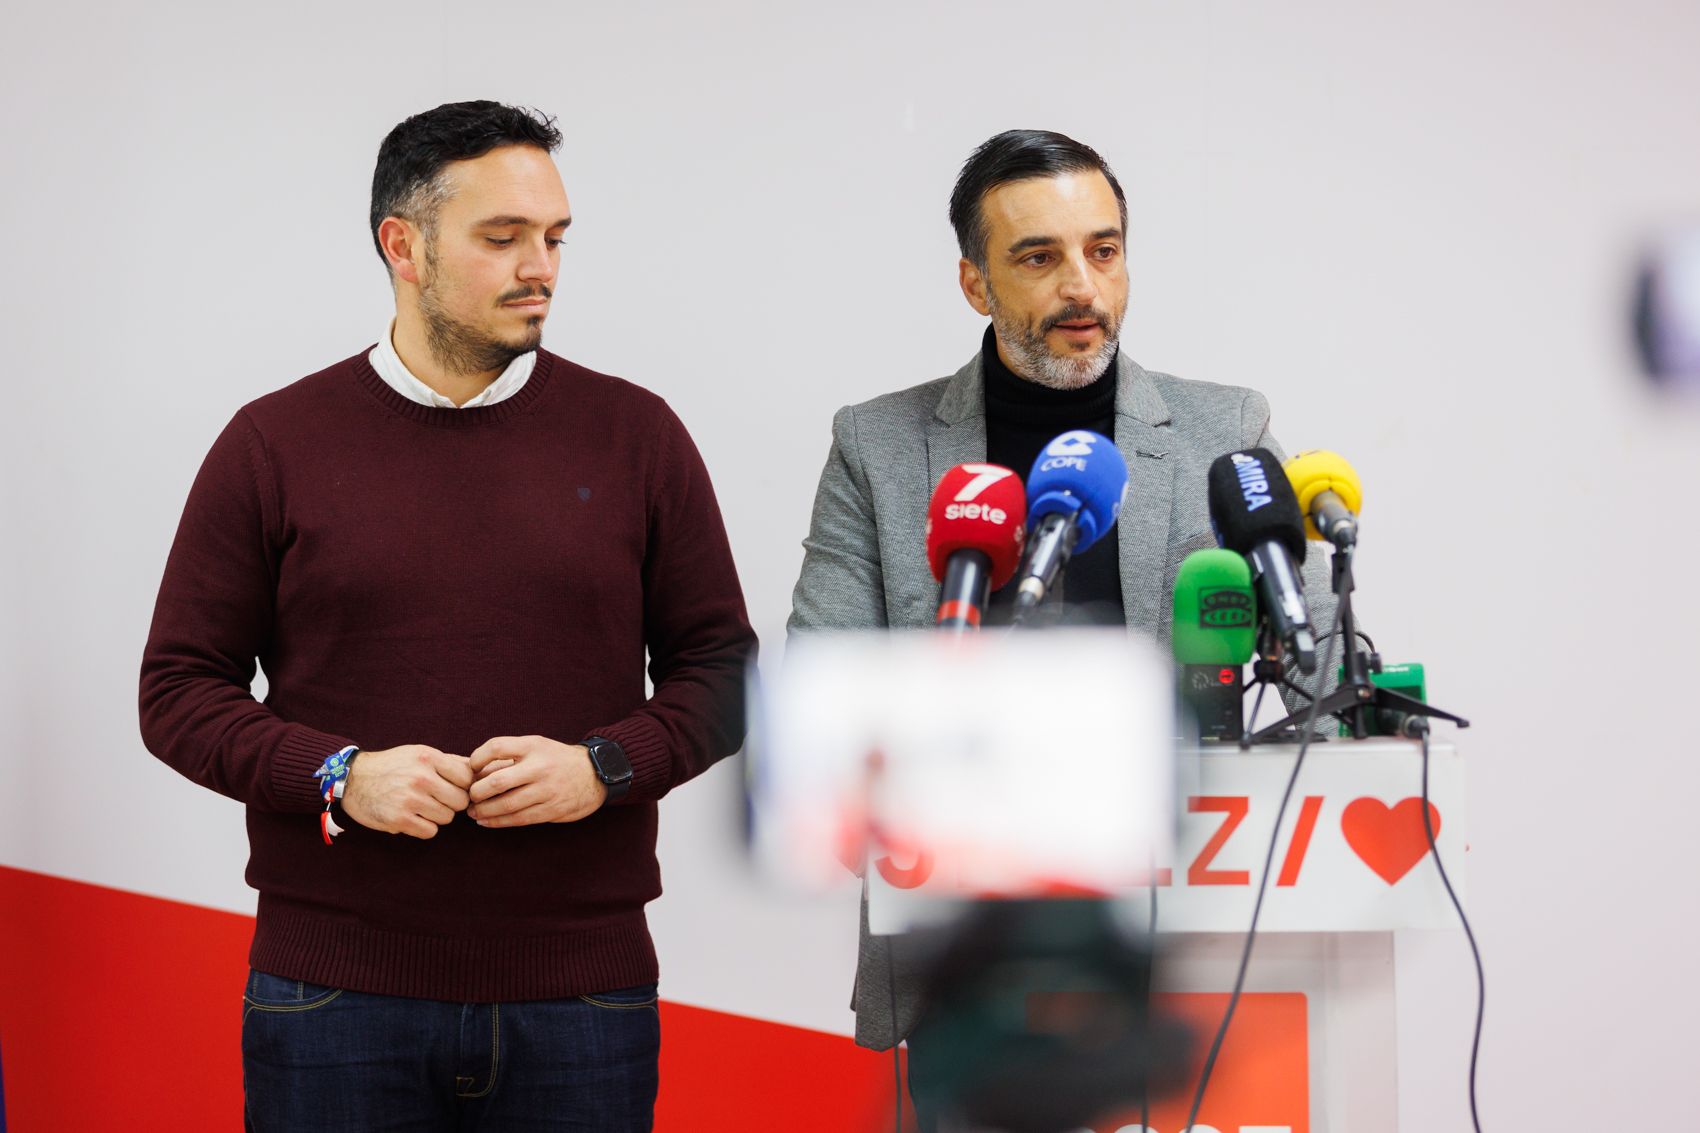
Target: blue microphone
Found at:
x=1074, y=494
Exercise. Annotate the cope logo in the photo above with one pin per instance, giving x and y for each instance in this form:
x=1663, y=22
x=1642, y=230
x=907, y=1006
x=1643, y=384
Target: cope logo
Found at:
x=1224, y=609
x=1068, y=451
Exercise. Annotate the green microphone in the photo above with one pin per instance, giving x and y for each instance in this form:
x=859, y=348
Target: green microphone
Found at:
x=1215, y=634
x=1409, y=679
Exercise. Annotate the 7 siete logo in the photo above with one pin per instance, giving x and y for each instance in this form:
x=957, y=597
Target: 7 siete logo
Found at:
x=964, y=507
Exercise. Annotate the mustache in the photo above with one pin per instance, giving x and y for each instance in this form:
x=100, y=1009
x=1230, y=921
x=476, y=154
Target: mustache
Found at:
x=541, y=290
x=1073, y=314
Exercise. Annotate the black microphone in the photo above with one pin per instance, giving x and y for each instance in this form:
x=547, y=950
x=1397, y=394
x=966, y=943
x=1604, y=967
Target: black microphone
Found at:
x=1254, y=512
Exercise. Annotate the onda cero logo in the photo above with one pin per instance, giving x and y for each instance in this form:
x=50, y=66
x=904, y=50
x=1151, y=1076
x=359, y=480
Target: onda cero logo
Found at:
x=1224, y=609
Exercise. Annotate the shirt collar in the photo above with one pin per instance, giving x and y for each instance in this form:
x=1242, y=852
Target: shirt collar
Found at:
x=398, y=377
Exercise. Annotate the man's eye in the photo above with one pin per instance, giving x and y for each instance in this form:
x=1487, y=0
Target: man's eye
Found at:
x=1107, y=252
x=553, y=241
x=500, y=241
x=1038, y=259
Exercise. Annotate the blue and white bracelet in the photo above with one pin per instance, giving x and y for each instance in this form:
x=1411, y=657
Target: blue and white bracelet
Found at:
x=333, y=780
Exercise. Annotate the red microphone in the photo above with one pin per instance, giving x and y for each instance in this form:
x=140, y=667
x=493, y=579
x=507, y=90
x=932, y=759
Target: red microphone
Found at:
x=976, y=525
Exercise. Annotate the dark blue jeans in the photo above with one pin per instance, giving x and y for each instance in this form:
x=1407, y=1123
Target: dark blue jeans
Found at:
x=319, y=1058
x=921, y=1076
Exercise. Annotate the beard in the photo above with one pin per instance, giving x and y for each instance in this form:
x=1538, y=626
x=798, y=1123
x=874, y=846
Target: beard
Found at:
x=1037, y=362
x=459, y=347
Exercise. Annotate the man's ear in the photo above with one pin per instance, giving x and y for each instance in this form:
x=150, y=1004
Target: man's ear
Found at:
x=973, y=282
x=404, y=247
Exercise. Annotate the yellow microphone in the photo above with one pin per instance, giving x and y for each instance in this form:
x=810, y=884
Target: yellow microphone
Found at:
x=1330, y=496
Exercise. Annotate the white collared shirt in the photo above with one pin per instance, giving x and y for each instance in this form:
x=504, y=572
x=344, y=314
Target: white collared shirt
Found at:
x=398, y=377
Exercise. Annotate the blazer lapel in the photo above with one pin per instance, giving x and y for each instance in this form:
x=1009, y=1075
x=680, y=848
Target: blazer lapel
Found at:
x=957, y=432
x=954, y=434
x=1144, y=440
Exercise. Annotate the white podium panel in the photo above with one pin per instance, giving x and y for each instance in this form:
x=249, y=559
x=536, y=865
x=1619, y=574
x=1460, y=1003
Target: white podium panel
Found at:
x=1351, y=854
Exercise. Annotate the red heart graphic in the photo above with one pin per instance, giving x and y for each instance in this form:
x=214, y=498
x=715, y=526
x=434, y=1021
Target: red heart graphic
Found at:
x=1390, y=839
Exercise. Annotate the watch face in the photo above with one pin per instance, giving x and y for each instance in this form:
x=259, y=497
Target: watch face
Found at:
x=609, y=759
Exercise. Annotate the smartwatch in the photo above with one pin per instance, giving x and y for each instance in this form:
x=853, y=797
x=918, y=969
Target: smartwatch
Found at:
x=609, y=761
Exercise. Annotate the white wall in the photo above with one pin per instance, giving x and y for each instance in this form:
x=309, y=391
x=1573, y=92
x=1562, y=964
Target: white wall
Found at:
x=1410, y=225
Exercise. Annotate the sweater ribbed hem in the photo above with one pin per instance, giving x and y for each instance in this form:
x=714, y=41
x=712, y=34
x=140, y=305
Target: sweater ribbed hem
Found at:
x=299, y=753
x=523, y=399
x=646, y=749
x=307, y=944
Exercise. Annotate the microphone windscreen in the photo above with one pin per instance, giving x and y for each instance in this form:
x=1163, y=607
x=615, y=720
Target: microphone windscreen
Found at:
x=1079, y=473
x=1215, y=610
x=977, y=507
x=1252, y=503
x=1317, y=471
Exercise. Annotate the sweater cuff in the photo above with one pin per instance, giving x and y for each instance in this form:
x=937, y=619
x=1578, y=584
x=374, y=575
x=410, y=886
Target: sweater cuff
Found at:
x=646, y=750
x=299, y=753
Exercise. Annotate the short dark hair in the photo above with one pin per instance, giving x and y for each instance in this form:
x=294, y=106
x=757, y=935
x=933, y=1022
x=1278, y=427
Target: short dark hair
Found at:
x=408, y=181
x=1016, y=155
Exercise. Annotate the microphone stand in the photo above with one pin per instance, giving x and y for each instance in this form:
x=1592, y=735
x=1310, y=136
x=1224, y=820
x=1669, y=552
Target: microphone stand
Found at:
x=1269, y=671
x=1356, y=699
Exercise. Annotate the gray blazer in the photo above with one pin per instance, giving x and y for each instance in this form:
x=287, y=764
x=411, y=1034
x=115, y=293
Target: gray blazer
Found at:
x=865, y=562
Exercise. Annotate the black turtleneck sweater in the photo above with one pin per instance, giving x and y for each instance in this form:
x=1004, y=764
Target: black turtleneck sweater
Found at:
x=1021, y=418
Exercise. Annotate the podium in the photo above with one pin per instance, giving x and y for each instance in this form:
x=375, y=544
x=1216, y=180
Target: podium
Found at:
x=1313, y=1045
x=932, y=749
x=1351, y=867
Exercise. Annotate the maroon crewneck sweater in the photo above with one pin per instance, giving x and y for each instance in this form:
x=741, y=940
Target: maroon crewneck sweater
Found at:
x=408, y=574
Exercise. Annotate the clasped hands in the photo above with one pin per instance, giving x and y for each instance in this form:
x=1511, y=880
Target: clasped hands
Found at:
x=509, y=781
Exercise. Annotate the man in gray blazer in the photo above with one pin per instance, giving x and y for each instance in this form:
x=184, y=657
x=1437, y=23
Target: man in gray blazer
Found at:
x=1041, y=222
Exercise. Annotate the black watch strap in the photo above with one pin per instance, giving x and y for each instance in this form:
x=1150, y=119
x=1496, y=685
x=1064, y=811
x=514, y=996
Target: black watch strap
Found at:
x=608, y=760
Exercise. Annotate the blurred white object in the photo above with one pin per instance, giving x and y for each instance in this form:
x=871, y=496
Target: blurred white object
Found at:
x=1009, y=765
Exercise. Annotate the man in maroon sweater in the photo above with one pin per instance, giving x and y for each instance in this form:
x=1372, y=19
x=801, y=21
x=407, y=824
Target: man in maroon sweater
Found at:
x=450, y=554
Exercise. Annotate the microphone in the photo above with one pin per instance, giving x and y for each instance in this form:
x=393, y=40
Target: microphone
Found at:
x=1330, y=496
x=975, y=531
x=1409, y=679
x=1215, y=634
x=1392, y=722
x=1255, y=513
x=1075, y=492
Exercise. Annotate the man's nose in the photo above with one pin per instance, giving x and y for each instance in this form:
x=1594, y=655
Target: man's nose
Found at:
x=1076, y=285
x=538, y=263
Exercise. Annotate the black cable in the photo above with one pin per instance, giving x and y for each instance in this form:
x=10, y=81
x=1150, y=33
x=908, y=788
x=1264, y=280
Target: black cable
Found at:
x=1368, y=640
x=1145, y=1076
x=1475, y=953
x=1305, y=736
x=896, y=1039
